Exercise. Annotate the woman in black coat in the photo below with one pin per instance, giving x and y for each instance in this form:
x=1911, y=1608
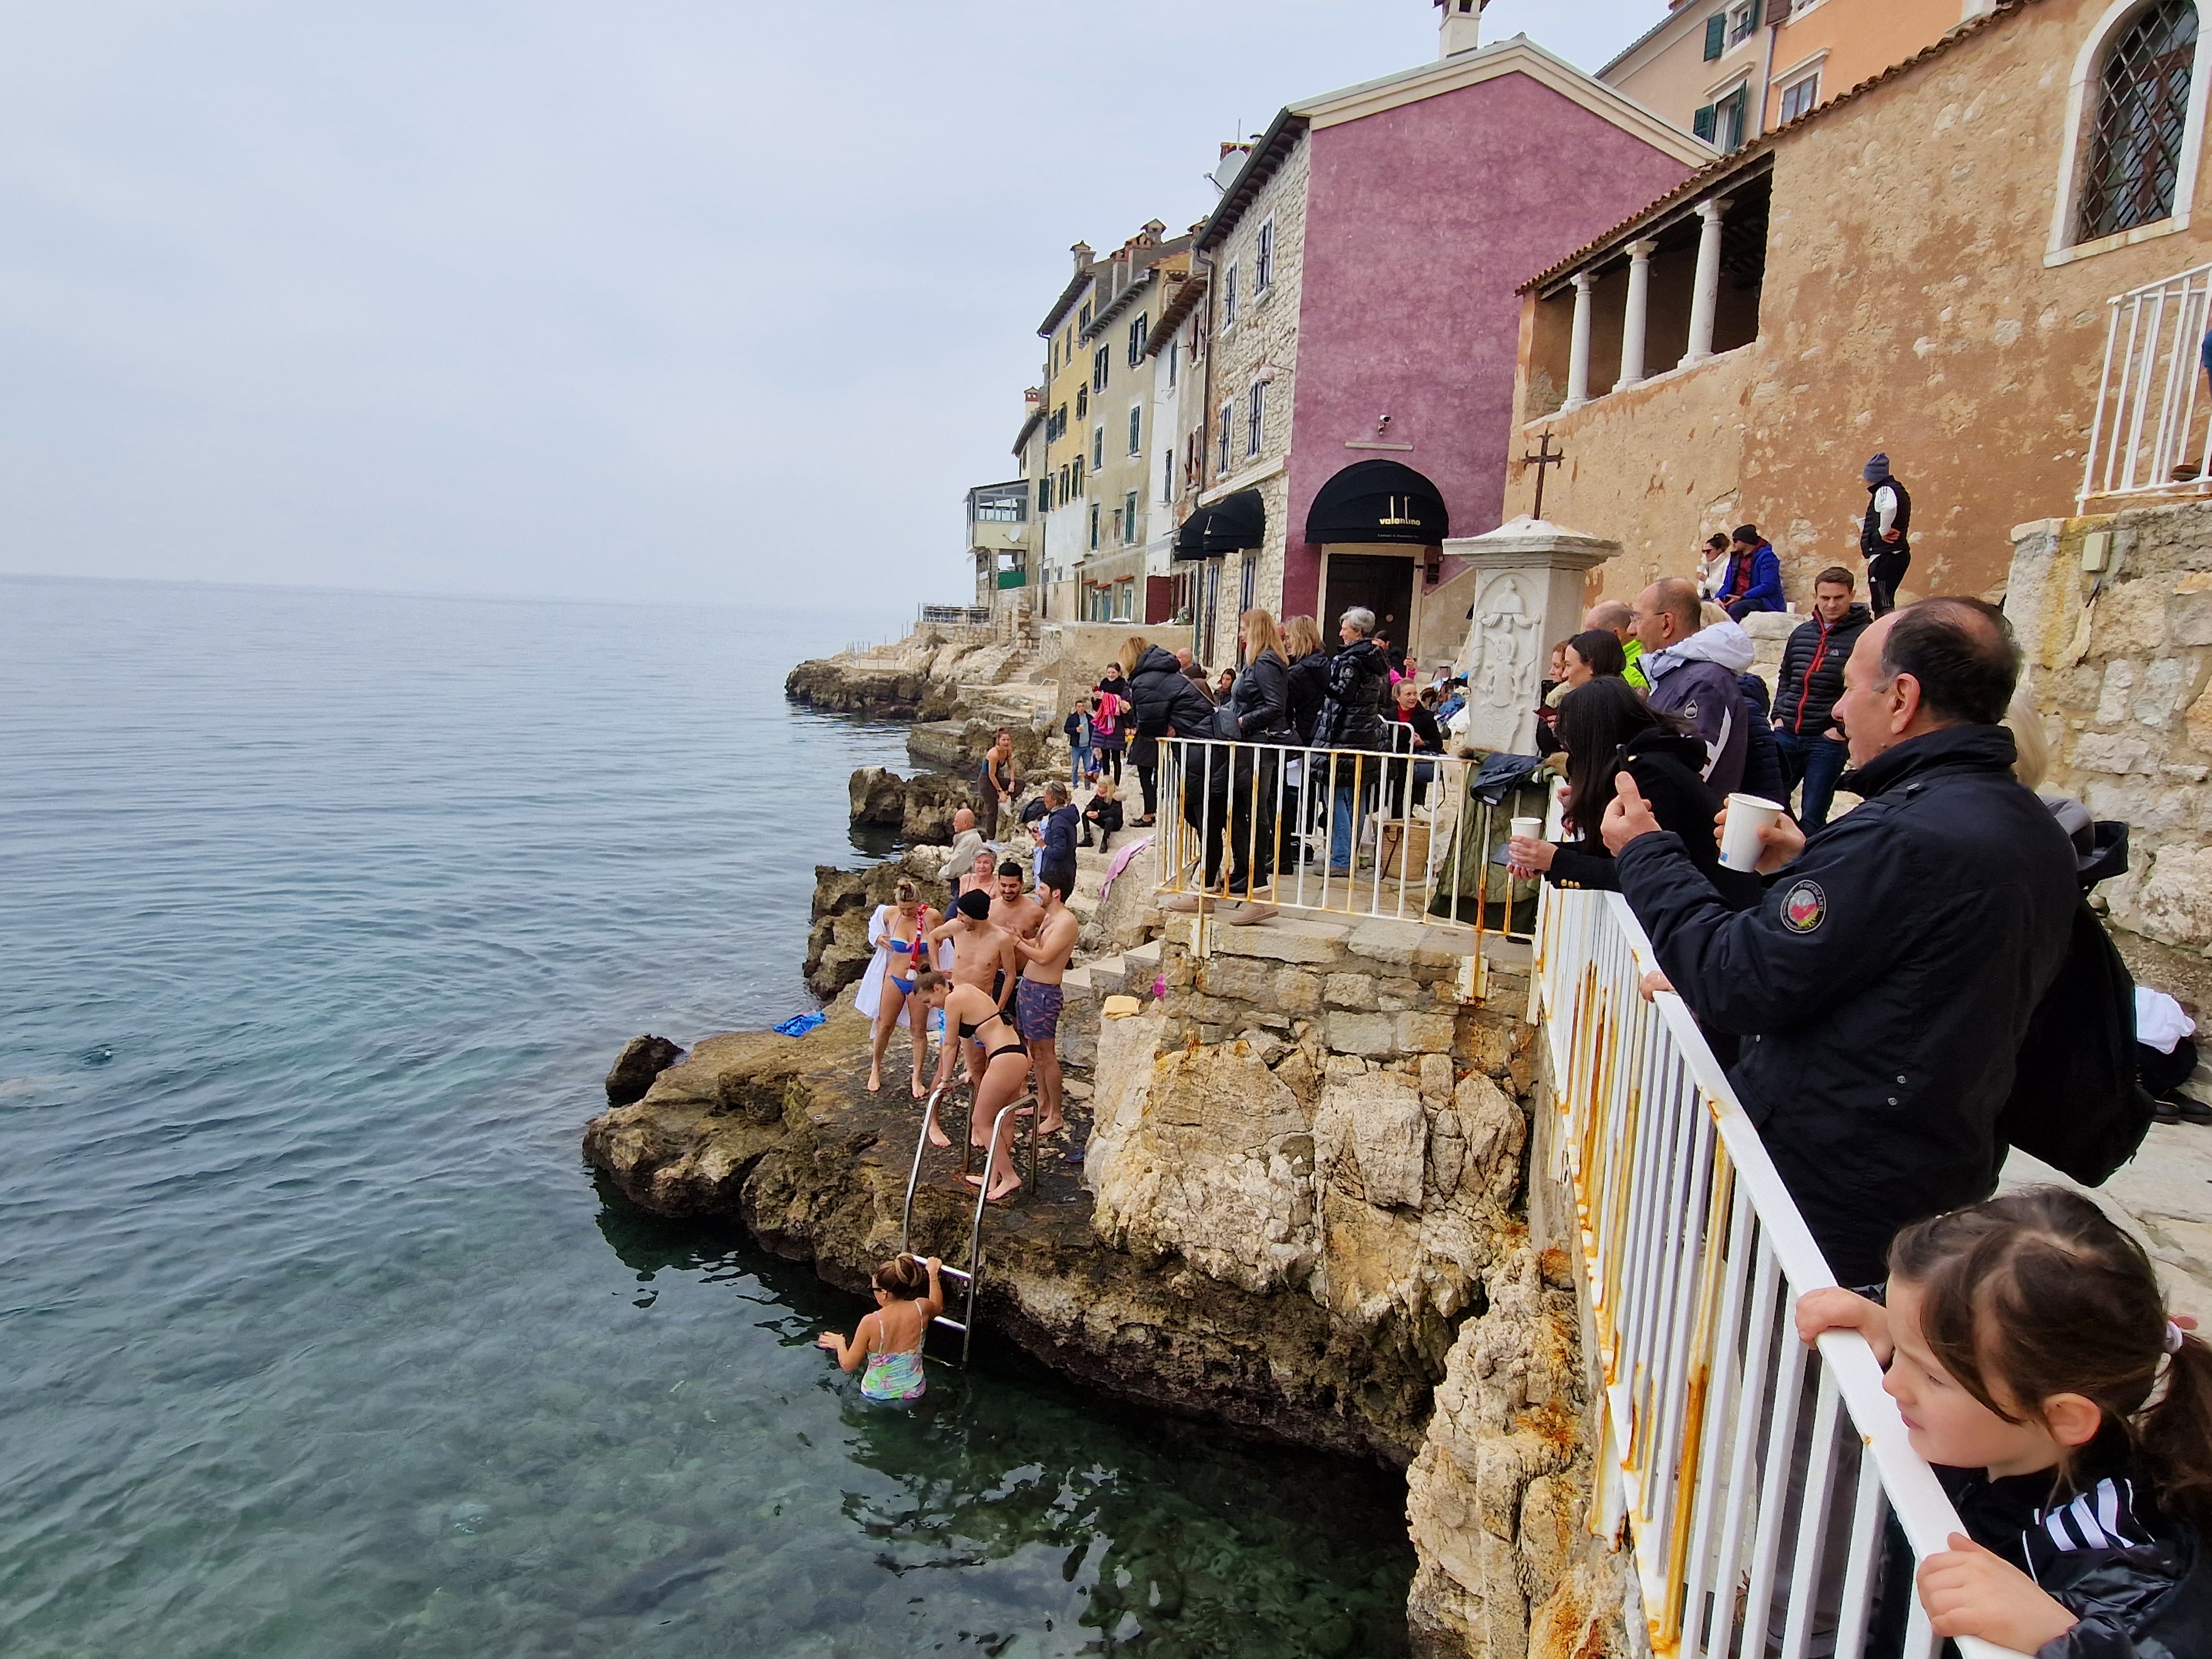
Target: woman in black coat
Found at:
x=1258, y=713
x=1350, y=718
x=1163, y=700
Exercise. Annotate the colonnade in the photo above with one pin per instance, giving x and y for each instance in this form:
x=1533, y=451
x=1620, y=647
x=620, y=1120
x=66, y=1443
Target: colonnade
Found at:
x=1704, y=301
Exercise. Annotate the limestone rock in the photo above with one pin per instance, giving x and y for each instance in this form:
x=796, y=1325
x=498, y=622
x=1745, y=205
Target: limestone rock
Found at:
x=1372, y=1140
x=2173, y=901
x=878, y=796
x=931, y=801
x=641, y=1060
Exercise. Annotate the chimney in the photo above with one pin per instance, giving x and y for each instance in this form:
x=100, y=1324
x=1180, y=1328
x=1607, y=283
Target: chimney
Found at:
x=1461, y=30
x=1082, y=251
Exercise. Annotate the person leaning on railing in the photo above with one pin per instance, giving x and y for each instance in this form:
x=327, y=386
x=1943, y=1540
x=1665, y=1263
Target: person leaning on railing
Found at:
x=1166, y=702
x=1885, y=981
x=1257, y=712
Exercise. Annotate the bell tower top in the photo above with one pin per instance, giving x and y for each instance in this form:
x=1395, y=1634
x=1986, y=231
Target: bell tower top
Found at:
x=1461, y=29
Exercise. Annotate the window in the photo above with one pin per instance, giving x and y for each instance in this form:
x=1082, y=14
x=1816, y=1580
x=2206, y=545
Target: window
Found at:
x=1263, y=257
x=1228, y=420
x=1056, y=426
x=1129, y=518
x=1167, y=475
x=1800, y=96
x=1094, y=527
x=1722, y=124
x=1136, y=429
x=1255, y=415
x=1175, y=348
x=1083, y=321
x=2142, y=117
x=1064, y=493
x=1125, y=599
x=1716, y=35
x=1140, y=330
x=1078, y=478
x=1102, y=366
x=1097, y=447
x=1119, y=535
x=1229, y=296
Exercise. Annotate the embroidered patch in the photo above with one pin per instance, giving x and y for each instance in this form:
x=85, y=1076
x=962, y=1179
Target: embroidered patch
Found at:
x=1804, y=907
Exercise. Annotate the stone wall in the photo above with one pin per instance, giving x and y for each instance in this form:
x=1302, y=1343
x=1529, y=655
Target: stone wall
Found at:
x=2119, y=661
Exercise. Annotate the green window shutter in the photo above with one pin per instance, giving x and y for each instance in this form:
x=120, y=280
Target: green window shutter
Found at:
x=1716, y=35
x=1702, y=123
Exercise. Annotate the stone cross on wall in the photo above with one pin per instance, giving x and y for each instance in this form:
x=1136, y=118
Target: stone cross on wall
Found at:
x=1527, y=586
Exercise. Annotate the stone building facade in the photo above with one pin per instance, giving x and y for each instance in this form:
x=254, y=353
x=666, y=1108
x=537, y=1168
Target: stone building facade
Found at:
x=1904, y=270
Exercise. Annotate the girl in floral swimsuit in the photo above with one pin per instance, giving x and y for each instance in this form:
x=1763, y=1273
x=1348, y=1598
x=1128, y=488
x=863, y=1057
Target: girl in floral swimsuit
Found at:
x=908, y=1296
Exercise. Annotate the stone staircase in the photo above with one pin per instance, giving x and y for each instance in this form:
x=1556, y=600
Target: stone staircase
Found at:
x=1132, y=973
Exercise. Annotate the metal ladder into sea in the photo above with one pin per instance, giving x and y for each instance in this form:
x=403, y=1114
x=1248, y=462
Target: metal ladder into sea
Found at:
x=972, y=1275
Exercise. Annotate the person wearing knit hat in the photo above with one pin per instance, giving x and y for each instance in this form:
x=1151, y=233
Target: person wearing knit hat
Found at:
x=1885, y=538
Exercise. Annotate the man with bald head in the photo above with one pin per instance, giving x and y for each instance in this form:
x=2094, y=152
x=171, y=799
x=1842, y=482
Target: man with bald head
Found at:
x=1885, y=984
x=1692, y=670
x=1618, y=620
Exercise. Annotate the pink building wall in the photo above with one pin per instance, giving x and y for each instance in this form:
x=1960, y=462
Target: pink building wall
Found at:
x=1421, y=223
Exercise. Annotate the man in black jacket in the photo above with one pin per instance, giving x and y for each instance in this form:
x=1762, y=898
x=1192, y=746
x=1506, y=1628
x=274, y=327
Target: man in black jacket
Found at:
x=1885, y=984
x=1806, y=690
x=1886, y=534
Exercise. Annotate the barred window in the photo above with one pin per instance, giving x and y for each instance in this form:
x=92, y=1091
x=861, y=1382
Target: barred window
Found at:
x=2142, y=110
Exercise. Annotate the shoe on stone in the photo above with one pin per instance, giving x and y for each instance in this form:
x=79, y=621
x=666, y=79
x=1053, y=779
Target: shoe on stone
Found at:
x=2191, y=1109
x=2165, y=1111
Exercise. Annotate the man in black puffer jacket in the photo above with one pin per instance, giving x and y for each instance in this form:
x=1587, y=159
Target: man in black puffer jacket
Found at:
x=1169, y=704
x=1806, y=690
x=1885, y=984
x=1352, y=718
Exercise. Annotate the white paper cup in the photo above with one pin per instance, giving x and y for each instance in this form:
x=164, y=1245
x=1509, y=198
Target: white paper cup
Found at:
x=1529, y=828
x=1746, y=815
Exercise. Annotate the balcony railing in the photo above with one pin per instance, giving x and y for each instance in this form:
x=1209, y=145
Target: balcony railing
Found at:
x=1345, y=832
x=2147, y=433
x=1753, y=1531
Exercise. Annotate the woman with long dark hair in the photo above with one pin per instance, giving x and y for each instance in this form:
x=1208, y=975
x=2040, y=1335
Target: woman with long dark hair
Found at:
x=1605, y=728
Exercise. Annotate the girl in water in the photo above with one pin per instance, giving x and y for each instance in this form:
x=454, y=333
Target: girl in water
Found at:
x=908, y=1296
x=2069, y=1418
x=900, y=933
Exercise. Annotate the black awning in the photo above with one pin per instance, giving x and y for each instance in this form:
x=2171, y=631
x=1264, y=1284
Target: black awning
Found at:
x=1378, y=502
x=1233, y=522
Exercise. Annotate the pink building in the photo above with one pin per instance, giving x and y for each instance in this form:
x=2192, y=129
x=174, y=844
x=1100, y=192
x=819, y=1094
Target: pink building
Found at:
x=1365, y=327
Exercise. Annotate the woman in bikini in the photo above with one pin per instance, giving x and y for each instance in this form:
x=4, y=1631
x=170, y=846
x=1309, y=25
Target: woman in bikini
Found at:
x=970, y=1012
x=908, y=1295
x=900, y=933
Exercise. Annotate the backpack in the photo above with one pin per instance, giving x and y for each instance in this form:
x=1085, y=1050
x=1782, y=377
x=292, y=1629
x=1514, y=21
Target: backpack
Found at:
x=2076, y=1102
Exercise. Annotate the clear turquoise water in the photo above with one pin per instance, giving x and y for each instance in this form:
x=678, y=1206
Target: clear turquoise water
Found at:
x=322, y=917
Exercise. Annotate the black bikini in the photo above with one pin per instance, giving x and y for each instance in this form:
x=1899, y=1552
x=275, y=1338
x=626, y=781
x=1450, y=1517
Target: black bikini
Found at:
x=1017, y=1047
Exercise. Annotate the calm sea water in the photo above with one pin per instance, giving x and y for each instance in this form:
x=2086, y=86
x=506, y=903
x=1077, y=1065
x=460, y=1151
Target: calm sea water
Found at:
x=321, y=916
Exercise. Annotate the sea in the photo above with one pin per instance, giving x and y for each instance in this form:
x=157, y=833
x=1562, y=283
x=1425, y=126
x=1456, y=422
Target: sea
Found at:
x=322, y=915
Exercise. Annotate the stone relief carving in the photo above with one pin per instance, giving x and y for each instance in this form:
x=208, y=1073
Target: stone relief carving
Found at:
x=1503, y=651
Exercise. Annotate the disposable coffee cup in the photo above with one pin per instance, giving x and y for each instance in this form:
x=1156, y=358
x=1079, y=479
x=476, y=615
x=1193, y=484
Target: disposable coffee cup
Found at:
x=1529, y=828
x=1746, y=815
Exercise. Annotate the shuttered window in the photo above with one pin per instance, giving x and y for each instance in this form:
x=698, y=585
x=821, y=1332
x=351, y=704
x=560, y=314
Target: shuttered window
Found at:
x=1716, y=35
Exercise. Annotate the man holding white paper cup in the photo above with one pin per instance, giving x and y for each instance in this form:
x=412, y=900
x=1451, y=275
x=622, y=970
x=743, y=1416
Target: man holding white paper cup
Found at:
x=1884, y=983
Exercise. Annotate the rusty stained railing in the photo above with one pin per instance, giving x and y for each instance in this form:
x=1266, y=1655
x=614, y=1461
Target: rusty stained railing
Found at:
x=1755, y=1530
x=1307, y=816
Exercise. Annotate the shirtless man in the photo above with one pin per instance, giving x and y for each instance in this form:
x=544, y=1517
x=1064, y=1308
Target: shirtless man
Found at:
x=983, y=955
x=1037, y=998
x=1013, y=909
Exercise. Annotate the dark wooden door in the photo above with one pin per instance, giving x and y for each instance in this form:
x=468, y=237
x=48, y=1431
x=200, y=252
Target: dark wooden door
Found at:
x=1381, y=582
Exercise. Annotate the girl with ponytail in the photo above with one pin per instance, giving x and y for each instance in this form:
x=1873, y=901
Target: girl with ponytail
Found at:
x=2070, y=1416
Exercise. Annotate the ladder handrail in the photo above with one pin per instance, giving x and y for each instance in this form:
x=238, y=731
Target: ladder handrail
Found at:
x=913, y=1176
x=974, y=1271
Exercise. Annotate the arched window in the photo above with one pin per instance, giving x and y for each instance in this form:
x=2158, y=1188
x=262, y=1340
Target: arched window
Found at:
x=2141, y=117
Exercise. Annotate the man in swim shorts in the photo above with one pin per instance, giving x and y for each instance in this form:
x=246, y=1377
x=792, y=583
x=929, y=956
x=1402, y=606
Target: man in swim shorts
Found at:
x=1037, y=998
x=983, y=954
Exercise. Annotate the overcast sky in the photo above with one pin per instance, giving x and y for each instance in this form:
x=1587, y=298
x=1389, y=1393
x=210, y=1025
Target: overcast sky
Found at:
x=665, y=300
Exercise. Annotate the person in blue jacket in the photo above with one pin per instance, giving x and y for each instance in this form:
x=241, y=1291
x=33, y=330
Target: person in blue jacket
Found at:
x=1754, y=581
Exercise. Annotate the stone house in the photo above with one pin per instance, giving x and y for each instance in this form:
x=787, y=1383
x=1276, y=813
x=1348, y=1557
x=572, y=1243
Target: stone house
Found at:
x=1732, y=71
x=1360, y=271
x=1925, y=266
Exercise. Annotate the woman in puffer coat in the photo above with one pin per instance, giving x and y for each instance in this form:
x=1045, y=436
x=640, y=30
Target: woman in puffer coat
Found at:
x=1352, y=718
x=1164, y=701
x=1258, y=712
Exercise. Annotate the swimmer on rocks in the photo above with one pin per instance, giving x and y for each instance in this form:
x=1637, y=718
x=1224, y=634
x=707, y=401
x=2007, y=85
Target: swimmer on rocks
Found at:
x=1037, y=997
x=1000, y=1072
x=983, y=957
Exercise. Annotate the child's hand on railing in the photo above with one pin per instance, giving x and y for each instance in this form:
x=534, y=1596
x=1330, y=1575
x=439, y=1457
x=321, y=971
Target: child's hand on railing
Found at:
x=1969, y=1591
x=1835, y=1309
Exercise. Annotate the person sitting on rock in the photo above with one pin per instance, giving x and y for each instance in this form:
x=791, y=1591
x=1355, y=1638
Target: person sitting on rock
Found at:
x=1103, y=814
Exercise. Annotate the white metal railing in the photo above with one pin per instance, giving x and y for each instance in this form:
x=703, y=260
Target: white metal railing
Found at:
x=1693, y=1257
x=1351, y=832
x=2146, y=433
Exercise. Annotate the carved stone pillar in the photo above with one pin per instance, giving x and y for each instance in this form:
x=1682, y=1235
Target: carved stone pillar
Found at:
x=1578, y=351
x=1704, y=297
x=1528, y=587
x=1634, y=319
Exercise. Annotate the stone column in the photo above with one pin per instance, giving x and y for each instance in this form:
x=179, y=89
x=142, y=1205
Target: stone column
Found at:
x=1639, y=308
x=1578, y=352
x=1704, y=297
x=1528, y=588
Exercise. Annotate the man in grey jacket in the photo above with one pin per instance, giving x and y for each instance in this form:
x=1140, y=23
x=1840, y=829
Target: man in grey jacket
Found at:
x=966, y=842
x=1692, y=671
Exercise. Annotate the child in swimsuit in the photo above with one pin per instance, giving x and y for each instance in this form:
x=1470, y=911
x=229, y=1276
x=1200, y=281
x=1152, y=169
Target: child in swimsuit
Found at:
x=888, y=1341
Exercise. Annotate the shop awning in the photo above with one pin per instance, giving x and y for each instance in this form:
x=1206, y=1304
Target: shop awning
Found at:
x=1233, y=522
x=1378, y=502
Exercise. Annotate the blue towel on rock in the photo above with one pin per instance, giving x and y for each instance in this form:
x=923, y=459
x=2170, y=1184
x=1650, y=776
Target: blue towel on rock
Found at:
x=800, y=1024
